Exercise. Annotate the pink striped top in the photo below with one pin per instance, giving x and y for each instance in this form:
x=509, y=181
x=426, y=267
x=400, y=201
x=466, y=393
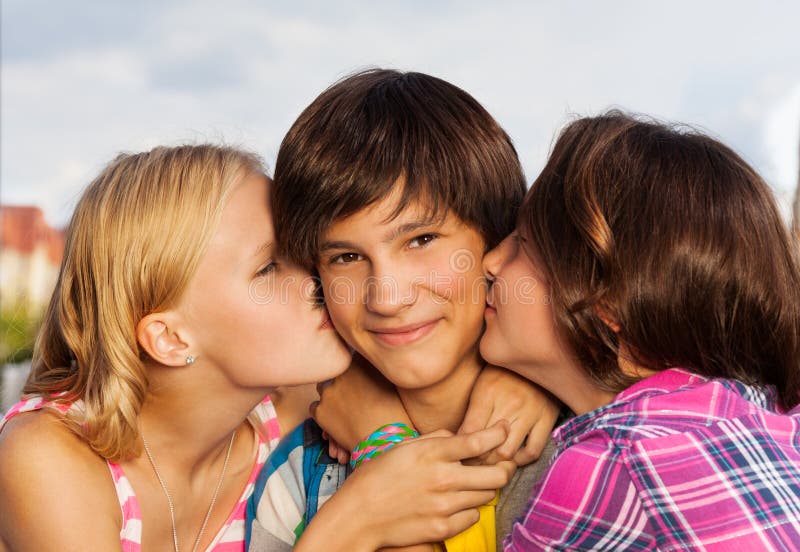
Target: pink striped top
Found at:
x=230, y=537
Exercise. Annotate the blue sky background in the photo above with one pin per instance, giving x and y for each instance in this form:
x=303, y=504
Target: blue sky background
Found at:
x=84, y=80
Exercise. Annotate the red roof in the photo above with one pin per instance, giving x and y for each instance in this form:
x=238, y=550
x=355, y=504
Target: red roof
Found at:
x=23, y=229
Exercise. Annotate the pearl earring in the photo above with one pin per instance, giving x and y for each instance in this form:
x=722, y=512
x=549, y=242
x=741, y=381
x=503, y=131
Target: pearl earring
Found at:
x=190, y=360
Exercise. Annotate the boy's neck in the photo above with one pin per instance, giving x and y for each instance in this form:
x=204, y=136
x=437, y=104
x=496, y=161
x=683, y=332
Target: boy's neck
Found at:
x=444, y=404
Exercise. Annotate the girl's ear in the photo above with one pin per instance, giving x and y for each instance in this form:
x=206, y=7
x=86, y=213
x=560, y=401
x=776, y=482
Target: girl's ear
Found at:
x=604, y=314
x=160, y=342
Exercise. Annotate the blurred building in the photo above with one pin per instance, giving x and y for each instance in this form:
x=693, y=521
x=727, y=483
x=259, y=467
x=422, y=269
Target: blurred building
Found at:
x=30, y=256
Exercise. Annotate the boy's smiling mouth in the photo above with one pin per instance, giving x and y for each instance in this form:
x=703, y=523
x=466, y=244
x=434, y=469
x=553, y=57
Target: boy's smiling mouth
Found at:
x=406, y=334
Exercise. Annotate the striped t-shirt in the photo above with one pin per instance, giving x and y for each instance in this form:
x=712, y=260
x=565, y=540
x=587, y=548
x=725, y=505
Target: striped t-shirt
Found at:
x=230, y=537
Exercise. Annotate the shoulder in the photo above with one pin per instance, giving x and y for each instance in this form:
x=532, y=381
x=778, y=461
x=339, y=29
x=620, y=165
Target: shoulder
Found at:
x=287, y=461
x=590, y=462
x=653, y=408
x=682, y=398
x=514, y=496
x=516, y=493
x=276, y=507
x=38, y=440
x=580, y=499
x=48, y=468
x=284, y=470
x=297, y=477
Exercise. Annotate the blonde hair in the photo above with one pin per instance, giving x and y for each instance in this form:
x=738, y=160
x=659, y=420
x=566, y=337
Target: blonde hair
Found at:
x=133, y=244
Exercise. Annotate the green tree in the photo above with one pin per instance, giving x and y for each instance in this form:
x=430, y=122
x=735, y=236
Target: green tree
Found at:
x=18, y=329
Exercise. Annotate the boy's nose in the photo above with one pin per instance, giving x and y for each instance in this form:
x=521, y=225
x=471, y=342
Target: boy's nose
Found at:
x=386, y=297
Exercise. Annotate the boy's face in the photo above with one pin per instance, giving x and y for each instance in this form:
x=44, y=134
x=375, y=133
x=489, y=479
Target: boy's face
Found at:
x=407, y=293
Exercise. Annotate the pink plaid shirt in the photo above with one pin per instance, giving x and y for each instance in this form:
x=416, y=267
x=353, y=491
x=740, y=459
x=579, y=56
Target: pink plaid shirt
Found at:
x=676, y=462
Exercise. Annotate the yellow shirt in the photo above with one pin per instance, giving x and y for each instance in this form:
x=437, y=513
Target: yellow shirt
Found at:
x=478, y=538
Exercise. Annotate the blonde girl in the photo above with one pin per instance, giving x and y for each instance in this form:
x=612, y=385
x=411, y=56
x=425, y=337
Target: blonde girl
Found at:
x=147, y=414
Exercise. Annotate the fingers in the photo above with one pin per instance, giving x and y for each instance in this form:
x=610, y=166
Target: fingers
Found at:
x=508, y=467
x=523, y=457
x=537, y=439
x=435, y=529
x=483, y=478
x=465, y=500
x=461, y=521
x=431, y=450
x=437, y=496
x=335, y=450
x=470, y=445
x=538, y=436
x=551, y=414
x=478, y=414
x=338, y=453
x=434, y=434
x=511, y=445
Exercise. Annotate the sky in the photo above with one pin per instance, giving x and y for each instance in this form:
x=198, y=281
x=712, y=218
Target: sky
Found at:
x=81, y=81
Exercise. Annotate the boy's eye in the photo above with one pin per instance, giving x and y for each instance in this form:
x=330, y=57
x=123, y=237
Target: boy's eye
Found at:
x=267, y=269
x=421, y=241
x=345, y=258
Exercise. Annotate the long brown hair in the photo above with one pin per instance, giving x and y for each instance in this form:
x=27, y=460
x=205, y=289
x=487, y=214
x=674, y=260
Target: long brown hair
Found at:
x=675, y=237
x=133, y=244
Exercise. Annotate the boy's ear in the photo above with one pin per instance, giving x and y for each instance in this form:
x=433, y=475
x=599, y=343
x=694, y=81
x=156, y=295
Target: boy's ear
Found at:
x=604, y=314
x=160, y=341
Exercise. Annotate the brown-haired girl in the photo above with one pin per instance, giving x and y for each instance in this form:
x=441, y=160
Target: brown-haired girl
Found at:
x=651, y=286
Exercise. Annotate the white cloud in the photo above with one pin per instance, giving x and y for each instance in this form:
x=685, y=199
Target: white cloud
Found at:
x=782, y=140
x=174, y=71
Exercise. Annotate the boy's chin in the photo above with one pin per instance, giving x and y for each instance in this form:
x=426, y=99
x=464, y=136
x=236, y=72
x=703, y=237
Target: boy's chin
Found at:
x=403, y=378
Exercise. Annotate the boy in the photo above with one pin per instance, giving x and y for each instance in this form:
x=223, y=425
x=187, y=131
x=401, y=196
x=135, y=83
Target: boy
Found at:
x=393, y=185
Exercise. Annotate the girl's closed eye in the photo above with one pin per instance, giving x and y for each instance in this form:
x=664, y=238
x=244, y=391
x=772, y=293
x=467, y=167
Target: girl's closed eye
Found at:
x=268, y=268
x=422, y=241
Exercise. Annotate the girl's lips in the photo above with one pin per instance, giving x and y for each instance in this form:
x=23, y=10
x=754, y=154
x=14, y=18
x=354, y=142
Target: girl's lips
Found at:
x=405, y=335
x=489, y=311
x=326, y=322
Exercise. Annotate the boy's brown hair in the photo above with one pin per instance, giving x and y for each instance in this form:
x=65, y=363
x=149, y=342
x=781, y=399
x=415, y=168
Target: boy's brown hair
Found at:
x=357, y=139
x=673, y=236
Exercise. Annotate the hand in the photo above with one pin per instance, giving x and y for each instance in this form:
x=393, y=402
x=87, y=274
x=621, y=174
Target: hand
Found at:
x=503, y=395
x=417, y=492
x=335, y=450
x=357, y=403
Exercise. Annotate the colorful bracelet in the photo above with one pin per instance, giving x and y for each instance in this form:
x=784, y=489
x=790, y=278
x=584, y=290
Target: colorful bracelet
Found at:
x=379, y=441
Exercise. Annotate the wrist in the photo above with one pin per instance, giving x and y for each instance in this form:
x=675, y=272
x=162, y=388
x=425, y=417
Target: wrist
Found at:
x=379, y=441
